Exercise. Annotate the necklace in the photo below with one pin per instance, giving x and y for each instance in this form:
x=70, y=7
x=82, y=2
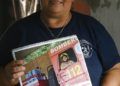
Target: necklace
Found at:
x=62, y=29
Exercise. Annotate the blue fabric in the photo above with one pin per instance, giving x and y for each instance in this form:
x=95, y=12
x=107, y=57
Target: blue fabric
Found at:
x=97, y=45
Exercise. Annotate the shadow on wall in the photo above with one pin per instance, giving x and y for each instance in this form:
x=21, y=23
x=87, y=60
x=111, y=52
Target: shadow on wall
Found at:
x=94, y=4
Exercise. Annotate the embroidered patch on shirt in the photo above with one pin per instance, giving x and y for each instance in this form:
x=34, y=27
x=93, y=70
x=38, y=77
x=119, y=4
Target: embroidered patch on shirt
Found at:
x=86, y=48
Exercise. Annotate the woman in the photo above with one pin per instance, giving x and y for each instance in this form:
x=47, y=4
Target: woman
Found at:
x=54, y=21
x=65, y=61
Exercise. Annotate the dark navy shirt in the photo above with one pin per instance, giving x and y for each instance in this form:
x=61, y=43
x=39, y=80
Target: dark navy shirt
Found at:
x=98, y=47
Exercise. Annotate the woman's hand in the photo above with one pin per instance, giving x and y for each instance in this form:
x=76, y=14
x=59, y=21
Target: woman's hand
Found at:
x=13, y=71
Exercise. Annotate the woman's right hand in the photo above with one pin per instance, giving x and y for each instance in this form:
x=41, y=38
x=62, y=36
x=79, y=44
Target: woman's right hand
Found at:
x=13, y=71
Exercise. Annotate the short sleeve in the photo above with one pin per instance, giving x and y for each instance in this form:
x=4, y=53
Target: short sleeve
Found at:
x=106, y=48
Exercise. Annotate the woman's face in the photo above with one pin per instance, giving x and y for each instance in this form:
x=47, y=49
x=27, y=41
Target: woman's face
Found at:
x=57, y=7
